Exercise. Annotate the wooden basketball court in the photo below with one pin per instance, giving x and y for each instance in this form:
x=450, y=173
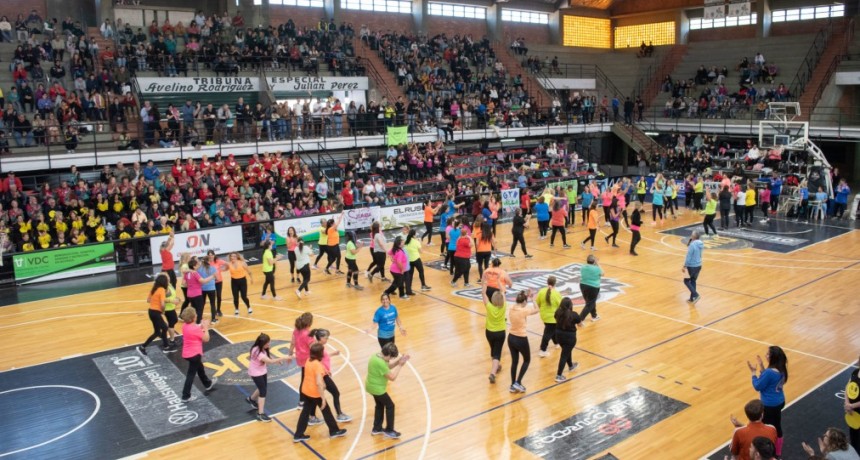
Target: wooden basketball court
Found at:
x=648, y=340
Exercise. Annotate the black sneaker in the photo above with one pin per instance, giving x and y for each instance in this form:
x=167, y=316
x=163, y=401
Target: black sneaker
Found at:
x=263, y=418
x=301, y=438
x=375, y=432
x=425, y=288
x=338, y=434
x=529, y=256
x=252, y=402
x=169, y=349
x=141, y=350
x=392, y=434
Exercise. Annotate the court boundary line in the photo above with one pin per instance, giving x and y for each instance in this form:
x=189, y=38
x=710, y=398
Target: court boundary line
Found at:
x=631, y=355
x=805, y=394
x=719, y=331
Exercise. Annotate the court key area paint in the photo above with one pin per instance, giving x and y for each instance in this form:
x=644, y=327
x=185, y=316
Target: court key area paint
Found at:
x=120, y=403
x=776, y=235
x=602, y=426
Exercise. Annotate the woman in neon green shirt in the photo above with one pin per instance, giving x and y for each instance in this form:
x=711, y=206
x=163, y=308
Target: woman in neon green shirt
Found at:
x=710, y=212
x=269, y=259
x=351, y=265
x=382, y=368
x=547, y=300
x=495, y=329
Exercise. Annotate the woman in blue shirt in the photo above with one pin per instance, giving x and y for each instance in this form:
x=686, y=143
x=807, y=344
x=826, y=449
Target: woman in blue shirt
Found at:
x=208, y=271
x=657, y=202
x=542, y=213
x=804, y=202
x=447, y=212
x=384, y=320
x=842, y=192
x=769, y=383
x=453, y=236
x=587, y=198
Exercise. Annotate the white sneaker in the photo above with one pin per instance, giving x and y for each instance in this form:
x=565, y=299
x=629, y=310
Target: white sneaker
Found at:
x=299, y=293
x=543, y=354
x=595, y=318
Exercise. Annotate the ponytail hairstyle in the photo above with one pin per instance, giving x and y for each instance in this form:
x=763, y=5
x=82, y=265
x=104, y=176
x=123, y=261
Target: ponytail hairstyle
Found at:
x=374, y=229
x=260, y=344
x=329, y=224
x=522, y=297
x=192, y=263
x=350, y=236
x=498, y=299
x=301, y=245
x=409, y=236
x=304, y=321
x=550, y=282
x=319, y=334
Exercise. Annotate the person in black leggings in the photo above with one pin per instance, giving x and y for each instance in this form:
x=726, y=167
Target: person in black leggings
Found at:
x=303, y=261
x=156, y=308
x=378, y=250
x=219, y=266
x=567, y=321
x=614, y=217
x=239, y=275
x=518, y=230
x=635, y=224
x=518, y=342
x=429, y=212
x=592, y=232
x=292, y=241
x=208, y=271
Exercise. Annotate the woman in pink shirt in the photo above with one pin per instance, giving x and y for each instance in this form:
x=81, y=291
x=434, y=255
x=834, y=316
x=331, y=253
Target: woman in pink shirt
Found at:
x=764, y=201
x=606, y=201
x=300, y=347
x=399, y=266
x=292, y=242
x=321, y=336
x=193, y=337
x=194, y=283
x=259, y=359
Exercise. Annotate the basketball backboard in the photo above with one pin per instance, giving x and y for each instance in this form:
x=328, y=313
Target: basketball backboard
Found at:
x=789, y=135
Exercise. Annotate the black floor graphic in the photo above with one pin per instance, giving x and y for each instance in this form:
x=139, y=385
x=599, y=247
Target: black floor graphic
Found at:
x=805, y=420
x=602, y=426
x=120, y=403
x=776, y=235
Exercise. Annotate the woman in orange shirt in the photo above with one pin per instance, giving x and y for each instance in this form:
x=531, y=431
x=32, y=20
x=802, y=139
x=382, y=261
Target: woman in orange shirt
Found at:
x=559, y=215
x=429, y=212
x=313, y=389
x=592, y=225
x=484, y=242
x=156, y=298
x=496, y=279
x=494, y=211
x=333, y=245
x=239, y=276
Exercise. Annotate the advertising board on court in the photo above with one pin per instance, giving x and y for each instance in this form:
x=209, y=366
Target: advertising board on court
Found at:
x=219, y=239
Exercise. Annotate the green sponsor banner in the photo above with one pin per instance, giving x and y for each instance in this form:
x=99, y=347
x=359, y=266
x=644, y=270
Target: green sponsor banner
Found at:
x=398, y=135
x=62, y=263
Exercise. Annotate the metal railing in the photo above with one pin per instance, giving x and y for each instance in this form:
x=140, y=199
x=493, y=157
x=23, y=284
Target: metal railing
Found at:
x=847, y=38
x=810, y=60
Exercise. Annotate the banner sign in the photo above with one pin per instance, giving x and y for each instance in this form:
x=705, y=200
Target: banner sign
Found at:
x=304, y=84
x=219, y=239
x=511, y=199
x=360, y=218
x=62, y=263
x=398, y=135
x=741, y=8
x=307, y=228
x=405, y=214
x=715, y=9
x=198, y=85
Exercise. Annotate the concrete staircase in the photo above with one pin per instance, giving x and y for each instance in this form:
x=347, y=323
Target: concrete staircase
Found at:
x=636, y=139
x=513, y=65
x=384, y=81
x=649, y=84
x=837, y=48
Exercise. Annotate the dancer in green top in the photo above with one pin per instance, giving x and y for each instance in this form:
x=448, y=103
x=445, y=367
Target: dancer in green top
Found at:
x=547, y=300
x=495, y=328
x=382, y=368
x=710, y=212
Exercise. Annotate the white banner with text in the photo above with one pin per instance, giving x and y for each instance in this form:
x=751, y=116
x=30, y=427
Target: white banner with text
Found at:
x=222, y=240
